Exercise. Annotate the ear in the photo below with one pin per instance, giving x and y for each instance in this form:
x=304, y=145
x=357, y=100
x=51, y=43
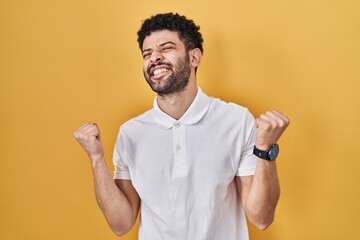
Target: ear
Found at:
x=195, y=56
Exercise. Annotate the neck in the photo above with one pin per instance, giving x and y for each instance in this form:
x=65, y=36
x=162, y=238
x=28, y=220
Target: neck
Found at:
x=176, y=104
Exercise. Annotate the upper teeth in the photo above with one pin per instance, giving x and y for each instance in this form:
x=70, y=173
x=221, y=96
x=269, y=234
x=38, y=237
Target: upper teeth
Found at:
x=160, y=70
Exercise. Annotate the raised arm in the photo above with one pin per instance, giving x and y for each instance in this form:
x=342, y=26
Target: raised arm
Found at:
x=260, y=193
x=118, y=200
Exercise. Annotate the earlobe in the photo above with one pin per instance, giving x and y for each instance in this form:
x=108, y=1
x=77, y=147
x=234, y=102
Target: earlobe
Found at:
x=195, y=57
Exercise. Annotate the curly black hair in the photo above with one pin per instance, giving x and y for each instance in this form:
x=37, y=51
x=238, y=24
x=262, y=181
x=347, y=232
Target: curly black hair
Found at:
x=187, y=30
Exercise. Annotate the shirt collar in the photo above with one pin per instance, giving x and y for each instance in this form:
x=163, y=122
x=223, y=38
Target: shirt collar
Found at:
x=193, y=114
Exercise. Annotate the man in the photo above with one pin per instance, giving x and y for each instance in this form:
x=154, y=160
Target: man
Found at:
x=194, y=163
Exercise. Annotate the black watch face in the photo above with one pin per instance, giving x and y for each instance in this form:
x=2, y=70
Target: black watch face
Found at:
x=273, y=153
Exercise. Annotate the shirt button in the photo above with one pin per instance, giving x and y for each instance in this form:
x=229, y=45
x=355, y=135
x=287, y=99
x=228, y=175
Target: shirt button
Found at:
x=178, y=147
x=177, y=125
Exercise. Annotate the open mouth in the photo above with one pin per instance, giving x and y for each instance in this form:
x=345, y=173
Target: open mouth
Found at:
x=159, y=71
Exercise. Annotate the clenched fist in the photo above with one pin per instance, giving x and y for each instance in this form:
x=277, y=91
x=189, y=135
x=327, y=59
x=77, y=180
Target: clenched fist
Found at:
x=269, y=127
x=88, y=135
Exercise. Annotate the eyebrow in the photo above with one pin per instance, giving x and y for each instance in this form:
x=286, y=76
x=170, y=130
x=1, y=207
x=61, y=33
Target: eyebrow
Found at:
x=161, y=45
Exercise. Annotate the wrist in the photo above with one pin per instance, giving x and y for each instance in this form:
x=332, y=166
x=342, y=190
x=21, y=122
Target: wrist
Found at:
x=263, y=147
x=96, y=158
x=269, y=154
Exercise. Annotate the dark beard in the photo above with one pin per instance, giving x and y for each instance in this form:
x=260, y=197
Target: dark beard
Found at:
x=176, y=82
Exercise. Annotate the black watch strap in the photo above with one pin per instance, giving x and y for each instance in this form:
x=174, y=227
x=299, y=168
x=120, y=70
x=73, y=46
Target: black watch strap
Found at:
x=269, y=155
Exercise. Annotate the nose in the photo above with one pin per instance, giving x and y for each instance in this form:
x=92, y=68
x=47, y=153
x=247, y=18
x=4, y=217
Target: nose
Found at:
x=156, y=56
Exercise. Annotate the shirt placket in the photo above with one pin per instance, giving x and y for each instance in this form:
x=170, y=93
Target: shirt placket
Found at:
x=179, y=149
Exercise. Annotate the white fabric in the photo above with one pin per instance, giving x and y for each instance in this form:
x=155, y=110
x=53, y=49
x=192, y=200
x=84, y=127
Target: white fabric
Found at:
x=184, y=170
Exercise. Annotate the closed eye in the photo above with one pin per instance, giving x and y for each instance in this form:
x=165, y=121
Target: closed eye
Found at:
x=165, y=49
x=147, y=55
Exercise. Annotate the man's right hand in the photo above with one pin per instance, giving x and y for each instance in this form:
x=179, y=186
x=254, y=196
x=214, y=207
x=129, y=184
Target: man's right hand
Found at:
x=88, y=135
x=118, y=199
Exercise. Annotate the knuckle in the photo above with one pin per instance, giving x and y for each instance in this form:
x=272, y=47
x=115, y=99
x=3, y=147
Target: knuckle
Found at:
x=285, y=123
x=84, y=136
x=282, y=124
x=81, y=136
x=267, y=125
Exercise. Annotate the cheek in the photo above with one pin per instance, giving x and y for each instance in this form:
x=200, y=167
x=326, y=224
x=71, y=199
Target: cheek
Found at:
x=170, y=58
x=145, y=66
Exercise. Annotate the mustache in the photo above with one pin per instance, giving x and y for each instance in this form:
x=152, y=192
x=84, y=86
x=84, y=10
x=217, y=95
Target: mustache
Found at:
x=157, y=64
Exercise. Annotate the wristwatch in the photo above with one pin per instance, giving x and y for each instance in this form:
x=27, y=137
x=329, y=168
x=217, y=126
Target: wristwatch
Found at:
x=269, y=155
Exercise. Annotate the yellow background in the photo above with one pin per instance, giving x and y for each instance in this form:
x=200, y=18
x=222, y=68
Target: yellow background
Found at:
x=64, y=62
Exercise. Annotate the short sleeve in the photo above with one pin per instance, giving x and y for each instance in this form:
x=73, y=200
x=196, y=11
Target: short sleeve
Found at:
x=121, y=169
x=248, y=160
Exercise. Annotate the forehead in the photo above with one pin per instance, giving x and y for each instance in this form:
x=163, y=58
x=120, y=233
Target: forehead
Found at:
x=162, y=36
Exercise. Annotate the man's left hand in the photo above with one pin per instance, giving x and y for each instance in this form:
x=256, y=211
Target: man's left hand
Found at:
x=269, y=127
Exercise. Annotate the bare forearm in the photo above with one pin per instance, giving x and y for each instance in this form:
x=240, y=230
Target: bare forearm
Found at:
x=263, y=195
x=118, y=201
x=112, y=201
x=260, y=193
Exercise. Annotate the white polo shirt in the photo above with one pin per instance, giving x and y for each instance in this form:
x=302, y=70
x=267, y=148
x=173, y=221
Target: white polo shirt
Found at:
x=184, y=170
